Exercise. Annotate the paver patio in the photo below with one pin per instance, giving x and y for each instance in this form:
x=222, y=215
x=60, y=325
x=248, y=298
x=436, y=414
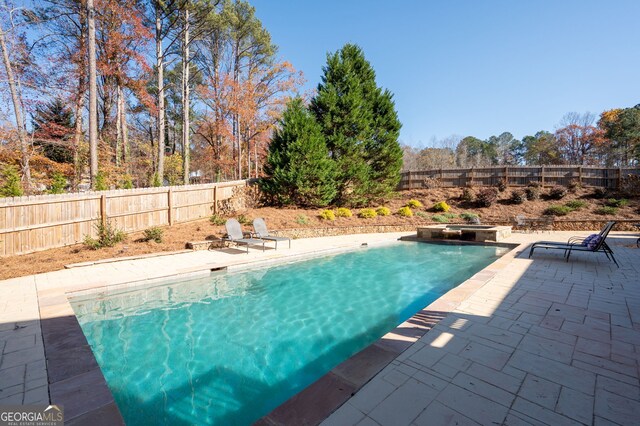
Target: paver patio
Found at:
x=539, y=342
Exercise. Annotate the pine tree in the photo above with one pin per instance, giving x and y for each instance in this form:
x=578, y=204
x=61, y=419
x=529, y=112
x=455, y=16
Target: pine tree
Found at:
x=360, y=126
x=53, y=126
x=298, y=167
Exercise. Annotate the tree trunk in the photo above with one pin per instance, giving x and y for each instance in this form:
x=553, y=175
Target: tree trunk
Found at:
x=118, y=126
x=160, y=66
x=93, y=94
x=185, y=97
x=125, y=132
x=17, y=106
x=78, y=134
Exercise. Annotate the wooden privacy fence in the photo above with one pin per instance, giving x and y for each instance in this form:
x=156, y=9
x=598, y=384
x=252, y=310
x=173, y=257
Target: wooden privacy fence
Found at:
x=516, y=176
x=41, y=222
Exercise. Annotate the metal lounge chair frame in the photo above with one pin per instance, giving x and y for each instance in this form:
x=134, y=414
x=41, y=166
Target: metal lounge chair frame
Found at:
x=575, y=244
x=260, y=230
x=235, y=235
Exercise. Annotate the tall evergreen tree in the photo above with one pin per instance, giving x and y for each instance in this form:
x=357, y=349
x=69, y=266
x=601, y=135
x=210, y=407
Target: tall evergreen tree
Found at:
x=53, y=126
x=360, y=126
x=299, y=168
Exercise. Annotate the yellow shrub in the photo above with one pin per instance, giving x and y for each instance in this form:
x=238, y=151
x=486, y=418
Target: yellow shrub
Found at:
x=343, y=212
x=442, y=206
x=383, y=211
x=414, y=204
x=367, y=213
x=405, y=211
x=327, y=215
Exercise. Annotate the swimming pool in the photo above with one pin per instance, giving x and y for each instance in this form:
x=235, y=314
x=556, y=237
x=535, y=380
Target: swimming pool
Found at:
x=228, y=348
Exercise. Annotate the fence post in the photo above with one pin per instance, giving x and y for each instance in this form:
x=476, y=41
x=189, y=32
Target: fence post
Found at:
x=215, y=199
x=170, y=206
x=580, y=175
x=542, y=177
x=506, y=175
x=619, y=178
x=103, y=209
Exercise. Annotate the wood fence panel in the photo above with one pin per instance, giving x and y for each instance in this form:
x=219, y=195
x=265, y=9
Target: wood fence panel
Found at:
x=34, y=223
x=517, y=176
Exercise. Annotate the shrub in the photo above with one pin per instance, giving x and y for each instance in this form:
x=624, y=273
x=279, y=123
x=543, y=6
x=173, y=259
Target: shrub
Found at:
x=576, y=204
x=243, y=219
x=58, y=183
x=439, y=218
x=502, y=185
x=607, y=210
x=302, y=219
x=450, y=215
x=155, y=180
x=153, y=234
x=414, y=204
x=557, y=210
x=108, y=236
x=216, y=219
x=11, y=186
x=532, y=193
x=343, y=212
x=574, y=185
x=612, y=202
x=423, y=215
x=534, y=185
x=630, y=185
x=468, y=195
x=599, y=193
x=327, y=215
x=367, y=213
x=405, y=211
x=101, y=182
x=383, y=211
x=486, y=197
x=127, y=182
x=557, y=192
x=442, y=206
x=518, y=196
x=469, y=217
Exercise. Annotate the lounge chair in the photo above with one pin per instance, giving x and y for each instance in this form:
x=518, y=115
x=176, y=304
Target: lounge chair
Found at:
x=593, y=243
x=235, y=235
x=260, y=230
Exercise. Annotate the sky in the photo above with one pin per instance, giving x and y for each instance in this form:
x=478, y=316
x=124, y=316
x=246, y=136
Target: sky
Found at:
x=473, y=68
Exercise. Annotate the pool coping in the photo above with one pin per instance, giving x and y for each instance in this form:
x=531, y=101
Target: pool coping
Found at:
x=76, y=381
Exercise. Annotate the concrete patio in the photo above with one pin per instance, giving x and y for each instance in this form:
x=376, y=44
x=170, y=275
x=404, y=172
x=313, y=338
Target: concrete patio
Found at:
x=538, y=341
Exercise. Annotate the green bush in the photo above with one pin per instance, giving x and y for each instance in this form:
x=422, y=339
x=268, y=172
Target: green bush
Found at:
x=486, y=197
x=468, y=196
x=442, y=206
x=518, y=196
x=557, y=210
x=343, y=212
x=100, y=183
x=216, y=219
x=108, y=236
x=328, y=215
x=155, y=180
x=302, y=219
x=244, y=219
x=153, y=234
x=58, y=183
x=383, y=211
x=612, y=202
x=127, y=182
x=532, y=192
x=557, y=192
x=469, y=216
x=367, y=214
x=11, y=186
x=450, y=215
x=576, y=204
x=414, y=204
x=607, y=211
x=439, y=218
x=405, y=212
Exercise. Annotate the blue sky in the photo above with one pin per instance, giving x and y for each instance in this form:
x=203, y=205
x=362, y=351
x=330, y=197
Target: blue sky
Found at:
x=473, y=67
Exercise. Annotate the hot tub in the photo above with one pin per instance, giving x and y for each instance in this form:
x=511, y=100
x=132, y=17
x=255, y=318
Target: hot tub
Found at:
x=465, y=232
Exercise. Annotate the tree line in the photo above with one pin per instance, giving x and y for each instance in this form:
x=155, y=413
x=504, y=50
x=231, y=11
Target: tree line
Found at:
x=612, y=140
x=123, y=93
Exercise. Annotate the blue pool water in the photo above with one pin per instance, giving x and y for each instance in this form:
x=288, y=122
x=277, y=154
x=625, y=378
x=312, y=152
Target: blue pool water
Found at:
x=229, y=348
